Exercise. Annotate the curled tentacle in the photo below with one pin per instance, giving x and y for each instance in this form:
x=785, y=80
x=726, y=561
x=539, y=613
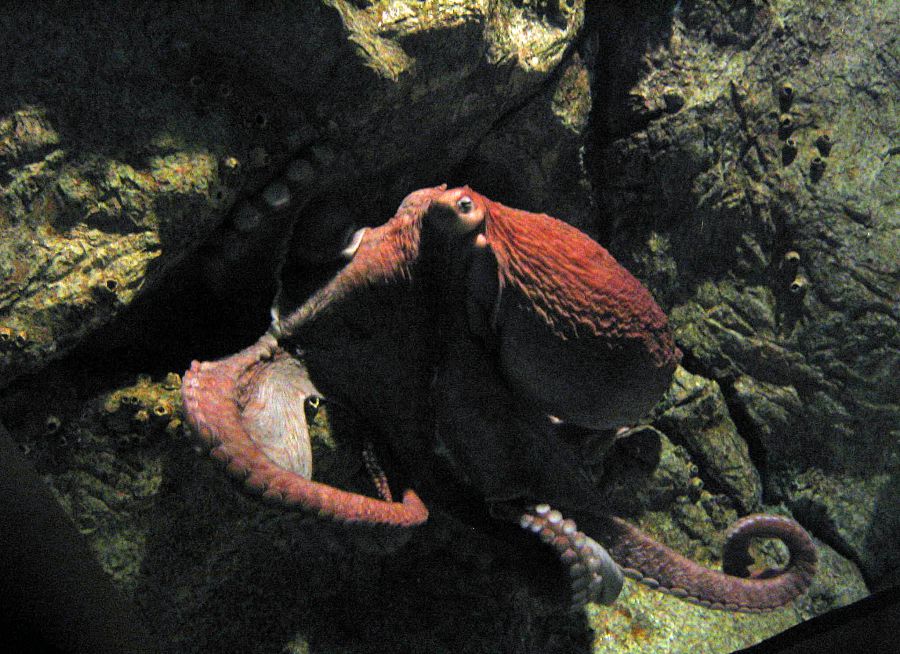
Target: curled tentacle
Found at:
x=595, y=576
x=249, y=410
x=657, y=566
x=376, y=473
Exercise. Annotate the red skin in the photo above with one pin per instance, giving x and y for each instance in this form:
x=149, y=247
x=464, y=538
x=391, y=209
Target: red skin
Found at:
x=568, y=311
x=471, y=321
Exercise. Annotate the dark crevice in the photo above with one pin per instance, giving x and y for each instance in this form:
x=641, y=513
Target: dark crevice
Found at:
x=503, y=184
x=742, y=422
x=623, y=32
x=746, y=430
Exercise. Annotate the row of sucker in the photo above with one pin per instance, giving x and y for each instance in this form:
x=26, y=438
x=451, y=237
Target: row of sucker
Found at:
x=263, y=222
x=595, y=577
x=214, y=382
x=376, y=472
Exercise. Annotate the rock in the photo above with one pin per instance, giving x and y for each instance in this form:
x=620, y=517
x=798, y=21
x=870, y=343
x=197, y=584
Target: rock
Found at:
x=128, y=141
x=136, y=144
x=781, y=273
x=694, y=414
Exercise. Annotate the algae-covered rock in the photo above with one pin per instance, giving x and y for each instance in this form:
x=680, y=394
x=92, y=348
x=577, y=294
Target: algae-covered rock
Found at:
x=759, y=209
x=695, y=414
x=213, y=568
x=128, y=132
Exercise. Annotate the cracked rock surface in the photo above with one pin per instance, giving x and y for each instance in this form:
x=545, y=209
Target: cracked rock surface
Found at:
x=781, y=272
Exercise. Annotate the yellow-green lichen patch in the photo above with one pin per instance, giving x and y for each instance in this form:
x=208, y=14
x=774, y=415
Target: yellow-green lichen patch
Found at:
x=385, y=57
x=185, y=172
x=402, y=18
x=536, y=41
x=79, y=235
x=644, y=620
x=572, y=97
x=24, y=132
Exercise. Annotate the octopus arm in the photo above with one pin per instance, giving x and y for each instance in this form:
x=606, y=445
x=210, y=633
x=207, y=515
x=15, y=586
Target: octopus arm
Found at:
x=657, y=566
x=249, y=410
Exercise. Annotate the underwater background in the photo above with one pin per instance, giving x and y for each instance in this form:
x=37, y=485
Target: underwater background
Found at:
x=737, y=157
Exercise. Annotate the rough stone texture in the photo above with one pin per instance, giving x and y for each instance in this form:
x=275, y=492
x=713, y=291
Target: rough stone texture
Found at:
x=782, y=277
x=694, y=414
x=128, y=132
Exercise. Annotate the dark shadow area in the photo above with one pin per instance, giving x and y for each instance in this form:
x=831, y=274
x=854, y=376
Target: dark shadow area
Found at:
x=869, y=623
x=447, y=586
x=54, y=596
x=90, y=65
x=624, y=32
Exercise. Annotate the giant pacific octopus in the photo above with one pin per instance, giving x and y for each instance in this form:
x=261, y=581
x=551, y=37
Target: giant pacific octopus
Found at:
x=469, y=327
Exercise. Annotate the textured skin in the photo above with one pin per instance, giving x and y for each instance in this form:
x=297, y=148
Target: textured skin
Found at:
x=212, y=397
x=458, y=327
x=567, y=310
x=657, y=566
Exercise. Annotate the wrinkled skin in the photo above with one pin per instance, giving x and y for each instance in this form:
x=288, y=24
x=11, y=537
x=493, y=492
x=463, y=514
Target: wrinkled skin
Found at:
x=463, y=325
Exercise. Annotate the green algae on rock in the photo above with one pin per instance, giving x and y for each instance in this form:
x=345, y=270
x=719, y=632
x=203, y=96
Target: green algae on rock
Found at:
x=118, y=175
x=695, y=415
x=804, y=358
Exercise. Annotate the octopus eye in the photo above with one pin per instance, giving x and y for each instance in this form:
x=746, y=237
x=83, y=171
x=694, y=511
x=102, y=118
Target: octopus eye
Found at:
x=465, y=204
x=311, y=406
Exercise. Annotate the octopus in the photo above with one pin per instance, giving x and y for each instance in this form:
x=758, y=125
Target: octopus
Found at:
x=471, y=328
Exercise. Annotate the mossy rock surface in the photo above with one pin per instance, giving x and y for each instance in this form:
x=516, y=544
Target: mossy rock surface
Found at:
x=127, y=133
x=759, y=210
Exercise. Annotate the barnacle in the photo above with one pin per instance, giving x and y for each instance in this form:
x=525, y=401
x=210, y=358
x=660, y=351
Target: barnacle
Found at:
x=52, y=425
x=789, y=151
x=172, y=382
x=824, y=144
x=791, y=259
x=219, y=197
x=816, y=168
x=21, y=338
x=785, y=125
x=785, y=96
x=799, y=285
x=162, y=409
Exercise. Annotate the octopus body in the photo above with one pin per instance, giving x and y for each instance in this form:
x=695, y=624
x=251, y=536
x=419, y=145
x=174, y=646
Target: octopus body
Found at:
x=467, y=326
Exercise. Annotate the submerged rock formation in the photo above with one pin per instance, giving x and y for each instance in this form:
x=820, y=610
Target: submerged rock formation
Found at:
x=735, y=158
